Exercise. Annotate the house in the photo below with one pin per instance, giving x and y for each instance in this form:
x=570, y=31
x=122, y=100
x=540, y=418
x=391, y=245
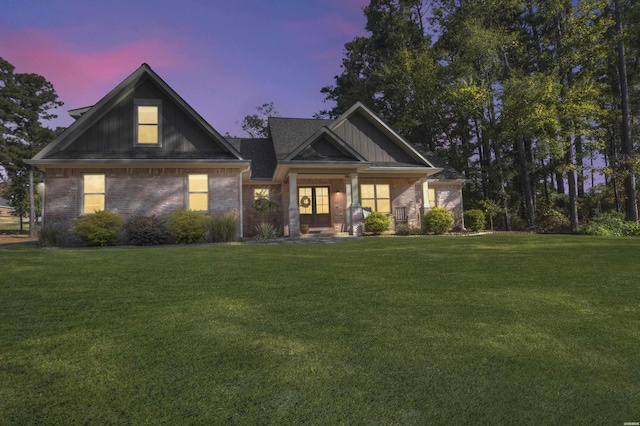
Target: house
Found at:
x=143, y=150
x=5, y=208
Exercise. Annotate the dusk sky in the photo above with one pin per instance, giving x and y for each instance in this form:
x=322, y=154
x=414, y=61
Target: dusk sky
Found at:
x=224, y=57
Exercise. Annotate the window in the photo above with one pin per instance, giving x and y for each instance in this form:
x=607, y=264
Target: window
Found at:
x=261, y=193
x=432, y=198
x=198, y=192
x=147, y=122
x=93, y=189
x=377, y=197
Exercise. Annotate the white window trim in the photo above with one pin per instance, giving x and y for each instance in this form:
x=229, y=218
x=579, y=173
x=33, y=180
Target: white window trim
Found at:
x=189, y=192
x=83, y=194
x=147, y=102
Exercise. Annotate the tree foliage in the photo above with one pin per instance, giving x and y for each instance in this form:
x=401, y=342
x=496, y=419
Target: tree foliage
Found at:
x=26, y=101
x=524, y=97
x=257, y=125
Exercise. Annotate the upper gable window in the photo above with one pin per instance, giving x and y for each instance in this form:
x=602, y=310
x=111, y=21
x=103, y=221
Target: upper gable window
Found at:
x=148, y=122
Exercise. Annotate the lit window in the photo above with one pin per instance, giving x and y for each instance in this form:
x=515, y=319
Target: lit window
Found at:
x=432, y=197
x=261, y=193
x=147, y=122
x=93, y=189
x=198, y=192
x=377, y=197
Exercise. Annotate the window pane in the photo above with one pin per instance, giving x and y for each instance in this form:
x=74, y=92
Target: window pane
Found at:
x=322, y=200
x=382, y=191
x=432, y=197
x=93, y=203
x=198, y=202
x=369, y=203
x=259, y=193
x=384, y=206
x=304, y=197
x=148, y=134
x=367, y=191
x=147, y=115
x=93, y=184
x=198, y=183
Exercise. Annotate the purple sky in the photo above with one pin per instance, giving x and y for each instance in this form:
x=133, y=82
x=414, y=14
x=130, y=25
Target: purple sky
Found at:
x=224, y=57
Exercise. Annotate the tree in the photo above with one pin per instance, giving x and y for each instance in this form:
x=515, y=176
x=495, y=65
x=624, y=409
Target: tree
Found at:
x=25, y=101
x=257, y=125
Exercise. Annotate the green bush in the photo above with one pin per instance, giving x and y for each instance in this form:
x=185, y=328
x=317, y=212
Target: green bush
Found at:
x=186, y=227
x=146, y=230
x=265, y=231
x=610, y=225
x=53, y=235
x=474, y=219
x=377, y=223
x=222, y=228
x=438, y=220
x=98, y=229
x=406, y=229
x=552, y=221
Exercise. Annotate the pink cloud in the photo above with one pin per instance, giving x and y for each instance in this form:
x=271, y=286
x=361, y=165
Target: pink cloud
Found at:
x=82, y=77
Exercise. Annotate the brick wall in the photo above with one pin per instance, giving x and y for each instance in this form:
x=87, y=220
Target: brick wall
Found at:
x=405, y=192
x=133, y=191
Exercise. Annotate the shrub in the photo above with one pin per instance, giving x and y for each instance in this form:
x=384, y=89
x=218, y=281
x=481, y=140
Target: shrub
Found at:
x=98, y=229
x=610, y=225
x=265, y=231
x=186, y=226
x=552, y=221
x=146, y=230
x=223, y=228
x=406, y=229
x=438, y=220
x=474, y=220
x=377, y=223
x=53, y=235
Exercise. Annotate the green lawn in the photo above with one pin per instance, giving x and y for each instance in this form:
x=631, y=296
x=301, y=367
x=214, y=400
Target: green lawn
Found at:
x=495, y=329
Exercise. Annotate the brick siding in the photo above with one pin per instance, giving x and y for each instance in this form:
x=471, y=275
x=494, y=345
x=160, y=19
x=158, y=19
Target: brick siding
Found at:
x=135, y=191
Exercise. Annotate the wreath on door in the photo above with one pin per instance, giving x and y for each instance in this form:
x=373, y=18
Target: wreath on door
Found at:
x=305, y=201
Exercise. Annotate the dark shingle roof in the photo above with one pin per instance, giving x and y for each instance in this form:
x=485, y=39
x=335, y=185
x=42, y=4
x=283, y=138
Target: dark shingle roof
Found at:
x=260, y=152
x=289, y=133
x=448, y=172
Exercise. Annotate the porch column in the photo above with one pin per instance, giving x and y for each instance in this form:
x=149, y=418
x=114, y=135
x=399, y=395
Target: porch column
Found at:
x=425, y=199
x=357, y=225
x=294, y=210
x=347, y=208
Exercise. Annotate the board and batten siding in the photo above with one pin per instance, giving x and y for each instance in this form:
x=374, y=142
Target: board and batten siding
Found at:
x=114, y=132
x=370, y=142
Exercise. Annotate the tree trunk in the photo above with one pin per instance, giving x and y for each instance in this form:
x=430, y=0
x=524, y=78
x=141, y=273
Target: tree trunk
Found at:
x=526, y=184
x=571, y=183
x=627, y=143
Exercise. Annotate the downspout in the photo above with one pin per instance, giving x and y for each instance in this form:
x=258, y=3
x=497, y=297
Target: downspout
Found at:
x=42, y=200
x=241, y=203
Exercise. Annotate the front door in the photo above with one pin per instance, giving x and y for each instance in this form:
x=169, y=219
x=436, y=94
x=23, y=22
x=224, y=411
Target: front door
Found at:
x=314, y=206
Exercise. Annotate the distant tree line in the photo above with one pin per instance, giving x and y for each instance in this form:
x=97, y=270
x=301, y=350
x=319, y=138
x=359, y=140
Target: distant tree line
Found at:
x=531, y=100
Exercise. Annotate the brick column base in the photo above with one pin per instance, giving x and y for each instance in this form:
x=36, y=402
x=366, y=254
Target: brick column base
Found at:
x=294, y=222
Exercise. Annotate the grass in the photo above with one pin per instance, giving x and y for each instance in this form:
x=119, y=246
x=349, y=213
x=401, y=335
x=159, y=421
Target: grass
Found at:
x=12, y=224
x=496, y=329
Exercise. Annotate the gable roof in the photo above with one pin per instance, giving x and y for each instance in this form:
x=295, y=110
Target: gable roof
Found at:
x=288, y=134
x=360, y=109
x=324, y=134
x=89, y=116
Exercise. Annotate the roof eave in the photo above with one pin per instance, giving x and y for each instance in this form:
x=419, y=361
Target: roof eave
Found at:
x=131, y=162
